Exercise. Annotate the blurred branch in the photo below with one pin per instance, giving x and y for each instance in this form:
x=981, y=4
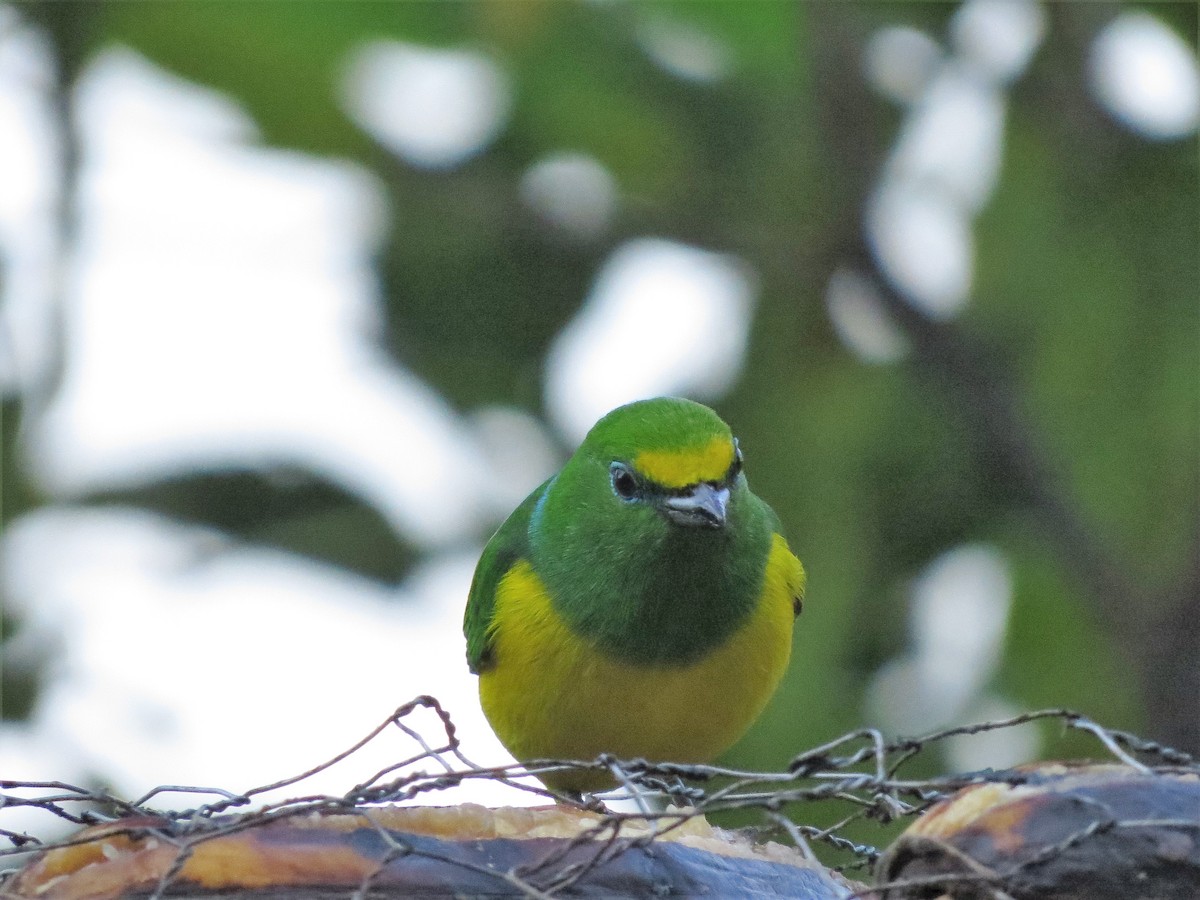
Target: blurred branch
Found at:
x=971, y=376
x=1159, y=630
x=69, y=26
x=285, y=508
x=1161, y=633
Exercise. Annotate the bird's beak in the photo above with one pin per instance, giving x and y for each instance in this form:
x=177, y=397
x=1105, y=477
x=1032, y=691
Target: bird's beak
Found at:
x=704, y=505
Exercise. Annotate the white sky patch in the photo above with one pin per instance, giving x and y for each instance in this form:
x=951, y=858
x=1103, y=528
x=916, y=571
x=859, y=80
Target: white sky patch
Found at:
x=572, y=191
x=184, y=660
x=433, y=108
x=860, y=320
x=1147, y=76
x=952, y=140
x=959, y=618
x=518, y=452
x=26, y=748
x=958, y=622
x=900, y=61
x=224, y=313
x=27, y=196
x=662, y=318
x=998, y=36
x=684, y=49
x=946, y=161
x=923, y=242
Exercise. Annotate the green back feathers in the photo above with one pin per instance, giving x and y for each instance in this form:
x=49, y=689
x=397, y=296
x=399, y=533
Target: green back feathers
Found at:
x=509, y=544
x=621, y=575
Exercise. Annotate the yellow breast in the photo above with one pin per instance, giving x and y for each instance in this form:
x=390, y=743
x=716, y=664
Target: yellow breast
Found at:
x=550, y=695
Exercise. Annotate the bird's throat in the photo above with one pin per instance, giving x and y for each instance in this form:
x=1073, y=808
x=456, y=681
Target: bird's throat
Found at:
x=665, y=602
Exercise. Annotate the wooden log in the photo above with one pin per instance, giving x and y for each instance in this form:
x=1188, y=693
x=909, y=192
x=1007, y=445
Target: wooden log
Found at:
x=1065, y=832
x=421, y=851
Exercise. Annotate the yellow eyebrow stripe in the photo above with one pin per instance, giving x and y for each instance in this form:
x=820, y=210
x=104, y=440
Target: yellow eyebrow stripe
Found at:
x=679, y=468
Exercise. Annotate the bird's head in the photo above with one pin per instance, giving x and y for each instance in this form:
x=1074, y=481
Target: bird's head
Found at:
x=649, y=539
x=653, y=468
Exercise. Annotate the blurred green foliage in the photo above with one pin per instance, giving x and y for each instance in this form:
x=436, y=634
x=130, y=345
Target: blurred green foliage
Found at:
x=1084, y=296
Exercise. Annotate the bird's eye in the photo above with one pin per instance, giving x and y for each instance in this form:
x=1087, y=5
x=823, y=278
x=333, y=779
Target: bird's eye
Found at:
x=623, y=481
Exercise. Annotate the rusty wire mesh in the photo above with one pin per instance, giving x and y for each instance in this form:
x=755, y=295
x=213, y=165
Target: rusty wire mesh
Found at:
x=860, y=770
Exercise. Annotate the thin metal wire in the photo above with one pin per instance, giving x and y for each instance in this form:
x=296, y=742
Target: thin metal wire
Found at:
x=859, y=770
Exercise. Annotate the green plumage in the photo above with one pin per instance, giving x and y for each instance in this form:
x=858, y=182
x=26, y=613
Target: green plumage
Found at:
x=621, y=573
x=507, y=545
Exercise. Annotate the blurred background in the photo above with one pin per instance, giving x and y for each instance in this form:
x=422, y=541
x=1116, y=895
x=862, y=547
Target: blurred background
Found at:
x=298, y=300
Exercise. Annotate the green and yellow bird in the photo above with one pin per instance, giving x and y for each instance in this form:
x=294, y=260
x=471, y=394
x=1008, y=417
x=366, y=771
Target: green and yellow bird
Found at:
x=639, y=603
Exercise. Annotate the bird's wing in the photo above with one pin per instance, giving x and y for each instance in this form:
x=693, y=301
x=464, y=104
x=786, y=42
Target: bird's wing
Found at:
x=794, y=575
x=509, y=544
